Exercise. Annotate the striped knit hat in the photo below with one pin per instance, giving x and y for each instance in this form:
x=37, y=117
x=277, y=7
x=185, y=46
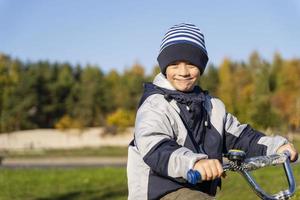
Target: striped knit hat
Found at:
x=183, y=42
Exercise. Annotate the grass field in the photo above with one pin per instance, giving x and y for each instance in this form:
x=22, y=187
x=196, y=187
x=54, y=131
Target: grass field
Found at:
x=61, y=184
x=110, y=184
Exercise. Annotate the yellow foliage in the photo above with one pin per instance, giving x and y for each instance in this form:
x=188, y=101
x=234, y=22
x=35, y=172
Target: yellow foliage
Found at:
x=287, y=98
x=67, y=122
x=121, y=119
x=227, y=88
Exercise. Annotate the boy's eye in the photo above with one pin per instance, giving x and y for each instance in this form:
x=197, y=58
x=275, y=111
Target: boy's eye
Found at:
x=174, y=63
x=173, y=66
x=191, y=66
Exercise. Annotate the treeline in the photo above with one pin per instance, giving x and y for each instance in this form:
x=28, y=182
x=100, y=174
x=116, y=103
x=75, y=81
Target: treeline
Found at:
x=59, y=95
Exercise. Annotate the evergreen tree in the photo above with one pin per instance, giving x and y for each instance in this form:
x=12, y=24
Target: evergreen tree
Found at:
x=89, y=108
x=210, y=79
x=261, y=113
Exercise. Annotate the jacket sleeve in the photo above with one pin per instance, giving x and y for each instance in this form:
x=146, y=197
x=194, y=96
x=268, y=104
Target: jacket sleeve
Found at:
x=156, y=142
x=244, y=137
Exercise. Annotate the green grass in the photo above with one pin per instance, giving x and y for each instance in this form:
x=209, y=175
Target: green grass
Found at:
x=63, y=184
x=110, y=184
x=296, y=144
x=107, y=151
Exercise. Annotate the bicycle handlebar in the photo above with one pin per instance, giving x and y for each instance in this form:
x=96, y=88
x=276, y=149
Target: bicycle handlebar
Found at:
x=243, y=166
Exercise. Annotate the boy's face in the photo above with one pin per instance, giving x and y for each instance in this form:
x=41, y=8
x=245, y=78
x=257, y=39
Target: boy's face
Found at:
x=182, y=75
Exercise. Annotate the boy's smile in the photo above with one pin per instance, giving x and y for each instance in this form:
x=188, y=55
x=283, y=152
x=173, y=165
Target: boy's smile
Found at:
x=182, y=75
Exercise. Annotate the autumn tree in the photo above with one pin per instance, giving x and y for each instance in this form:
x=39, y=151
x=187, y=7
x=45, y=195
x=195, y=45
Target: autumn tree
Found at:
x=244, y=87
x=287, y=95
x=227, y=87
x=132, y=86
x=11, y=109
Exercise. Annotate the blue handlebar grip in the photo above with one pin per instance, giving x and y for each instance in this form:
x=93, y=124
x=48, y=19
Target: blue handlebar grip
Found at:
x=193, y=177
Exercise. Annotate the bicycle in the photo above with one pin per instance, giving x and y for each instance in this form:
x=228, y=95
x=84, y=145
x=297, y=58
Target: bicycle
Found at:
x=238, y=163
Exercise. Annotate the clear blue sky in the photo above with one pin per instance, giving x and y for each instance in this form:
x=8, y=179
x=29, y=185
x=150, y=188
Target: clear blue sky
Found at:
x=116, y=34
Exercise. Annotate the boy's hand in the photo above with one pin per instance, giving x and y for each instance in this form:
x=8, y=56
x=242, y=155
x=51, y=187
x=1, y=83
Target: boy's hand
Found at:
x=209, y=169
x=289, y=147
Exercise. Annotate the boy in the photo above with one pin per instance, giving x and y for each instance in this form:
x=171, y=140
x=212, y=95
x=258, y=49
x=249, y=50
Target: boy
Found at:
x=180, y=127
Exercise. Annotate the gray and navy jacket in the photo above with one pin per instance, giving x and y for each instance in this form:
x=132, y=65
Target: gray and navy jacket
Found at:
x=173, y=130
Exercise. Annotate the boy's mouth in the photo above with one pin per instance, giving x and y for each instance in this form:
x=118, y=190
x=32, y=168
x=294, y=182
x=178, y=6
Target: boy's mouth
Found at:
x=186, y=79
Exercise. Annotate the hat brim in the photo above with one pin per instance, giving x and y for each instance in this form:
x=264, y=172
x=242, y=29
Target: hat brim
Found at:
x=182, y=52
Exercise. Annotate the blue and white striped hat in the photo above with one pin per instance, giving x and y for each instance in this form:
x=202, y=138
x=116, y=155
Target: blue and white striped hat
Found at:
x=183, y=42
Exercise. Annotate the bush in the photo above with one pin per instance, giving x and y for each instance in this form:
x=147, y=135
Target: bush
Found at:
x=67, y=122
x=120, y=119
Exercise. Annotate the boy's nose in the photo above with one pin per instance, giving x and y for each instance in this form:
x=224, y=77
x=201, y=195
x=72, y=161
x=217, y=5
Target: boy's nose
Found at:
x=183, y=70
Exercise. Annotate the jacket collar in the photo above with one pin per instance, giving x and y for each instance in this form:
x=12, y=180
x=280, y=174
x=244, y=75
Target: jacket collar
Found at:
x=161, y=81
